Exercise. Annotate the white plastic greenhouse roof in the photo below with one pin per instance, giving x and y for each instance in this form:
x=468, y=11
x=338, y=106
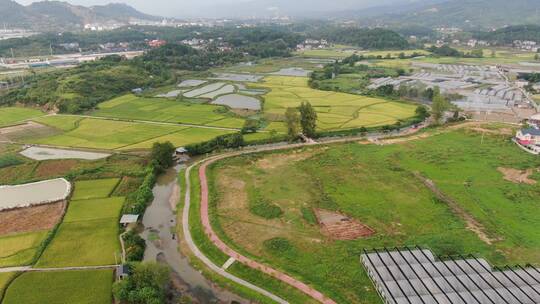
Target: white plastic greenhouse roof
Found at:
x=411, y=276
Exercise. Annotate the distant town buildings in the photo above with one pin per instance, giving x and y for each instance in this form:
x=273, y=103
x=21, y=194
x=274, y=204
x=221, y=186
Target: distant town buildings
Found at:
x=310, y=44
x=156, y=43
x=527, y=45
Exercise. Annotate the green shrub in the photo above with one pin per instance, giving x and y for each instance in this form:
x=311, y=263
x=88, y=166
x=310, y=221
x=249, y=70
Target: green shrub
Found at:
x=9, y=160
x=309, y=215
x=263, y=208
x=135, y=246
x=278, y=245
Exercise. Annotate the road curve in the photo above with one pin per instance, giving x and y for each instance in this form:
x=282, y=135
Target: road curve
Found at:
x=189, y=240
x=241, y=258
x=231, y=253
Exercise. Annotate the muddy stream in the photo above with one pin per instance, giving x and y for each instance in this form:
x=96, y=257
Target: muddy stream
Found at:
x=162, y=245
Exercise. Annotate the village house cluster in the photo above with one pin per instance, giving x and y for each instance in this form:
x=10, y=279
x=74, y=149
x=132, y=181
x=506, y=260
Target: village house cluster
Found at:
x=529, y=137
x=311, y=44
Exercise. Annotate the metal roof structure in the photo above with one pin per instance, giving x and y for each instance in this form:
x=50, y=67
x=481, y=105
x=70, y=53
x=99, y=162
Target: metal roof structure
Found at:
x=129, y=218
x=411, y=276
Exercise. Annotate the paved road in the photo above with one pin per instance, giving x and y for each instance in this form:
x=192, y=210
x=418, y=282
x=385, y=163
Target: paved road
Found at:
x=189, y=240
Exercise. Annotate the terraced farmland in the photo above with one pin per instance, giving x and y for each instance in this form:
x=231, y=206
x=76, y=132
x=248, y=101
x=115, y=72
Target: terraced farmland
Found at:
x=121, y=135
x=335, y=110
x=164, y=110
x=88, y=236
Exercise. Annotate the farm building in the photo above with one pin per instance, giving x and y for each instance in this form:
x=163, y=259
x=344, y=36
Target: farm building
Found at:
x=417, y=276
x=529, y=136
x=534, y=121
x=129, y=219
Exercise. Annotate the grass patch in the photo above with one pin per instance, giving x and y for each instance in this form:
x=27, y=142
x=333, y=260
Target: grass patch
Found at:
x=375, y=185
x=74, y=287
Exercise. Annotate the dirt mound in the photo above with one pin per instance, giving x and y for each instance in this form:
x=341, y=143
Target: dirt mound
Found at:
x=341, y=227
x=517, y=176
x=31, y=219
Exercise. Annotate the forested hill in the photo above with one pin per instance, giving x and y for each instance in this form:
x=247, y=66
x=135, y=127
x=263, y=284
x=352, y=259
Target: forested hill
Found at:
x=379, y=39
x=510, y=34
x=468, y=14
x=55, y=15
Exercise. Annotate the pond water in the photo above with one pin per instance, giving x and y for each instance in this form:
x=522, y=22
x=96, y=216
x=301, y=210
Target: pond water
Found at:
x=191, y=83
x=298, y=72
x=224, y=90
x=237, y=77
x=39, y=193
x=206, y=89
x=39, y=153
x=162, y=244
x=237, y=101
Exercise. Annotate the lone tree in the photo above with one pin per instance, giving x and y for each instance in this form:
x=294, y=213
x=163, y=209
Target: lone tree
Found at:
x=439, y=106
x=162, y=155
x=292, y=119
x=308, y=119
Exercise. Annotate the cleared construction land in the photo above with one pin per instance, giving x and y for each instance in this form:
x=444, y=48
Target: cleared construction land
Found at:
x=32, y=194
x=378, y=187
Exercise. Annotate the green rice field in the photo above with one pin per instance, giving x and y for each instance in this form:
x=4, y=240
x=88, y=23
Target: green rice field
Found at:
x=61, y=287
x=335, y=110
x=88, y=236
x=60, y=122
x=13, y=115
x=5, y=279
x=123, y=135
x=94, y=188
x=165, y=110
x=19, y=249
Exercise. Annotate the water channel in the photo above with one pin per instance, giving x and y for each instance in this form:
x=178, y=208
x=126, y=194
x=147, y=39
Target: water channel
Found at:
x=162, y=244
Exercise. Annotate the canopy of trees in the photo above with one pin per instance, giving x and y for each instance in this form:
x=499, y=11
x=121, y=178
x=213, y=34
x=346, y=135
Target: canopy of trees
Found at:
x=366, y=38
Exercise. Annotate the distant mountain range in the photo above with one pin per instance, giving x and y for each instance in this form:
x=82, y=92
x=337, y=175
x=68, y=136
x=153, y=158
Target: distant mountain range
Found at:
x=469, y=14
x=432, y=13
x=53, y=15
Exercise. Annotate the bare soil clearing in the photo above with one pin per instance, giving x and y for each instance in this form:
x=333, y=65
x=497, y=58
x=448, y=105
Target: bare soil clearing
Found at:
x=517, y=176
x=341, y=227
x=276, y=161
x=29, y=219
x=55, y=168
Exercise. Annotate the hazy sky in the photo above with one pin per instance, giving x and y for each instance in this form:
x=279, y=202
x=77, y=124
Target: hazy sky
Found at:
x=172, y=8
